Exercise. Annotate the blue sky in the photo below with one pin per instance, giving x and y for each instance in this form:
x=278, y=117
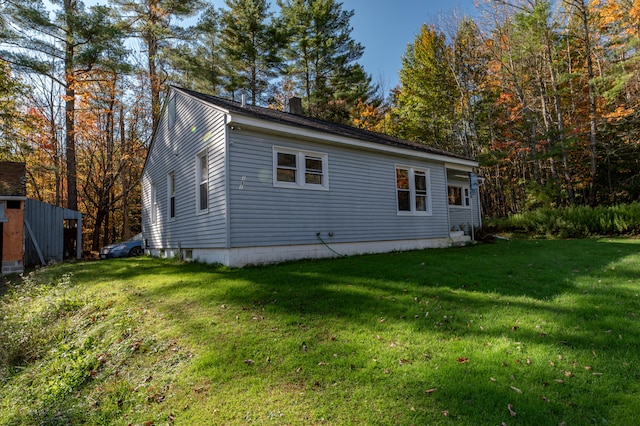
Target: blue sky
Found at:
x=385, y=27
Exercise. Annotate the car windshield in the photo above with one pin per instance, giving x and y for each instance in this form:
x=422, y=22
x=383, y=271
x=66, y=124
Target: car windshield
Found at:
x=137, y=237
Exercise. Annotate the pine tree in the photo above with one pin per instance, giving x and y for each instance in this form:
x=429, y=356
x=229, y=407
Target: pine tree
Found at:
x=252, y=43
x=322, y=57
x=427, y=91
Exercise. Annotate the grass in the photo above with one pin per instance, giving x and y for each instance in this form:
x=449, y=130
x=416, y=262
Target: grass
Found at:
x=546, y=330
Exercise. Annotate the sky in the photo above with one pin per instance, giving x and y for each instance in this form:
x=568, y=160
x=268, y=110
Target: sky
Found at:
x=384, y=28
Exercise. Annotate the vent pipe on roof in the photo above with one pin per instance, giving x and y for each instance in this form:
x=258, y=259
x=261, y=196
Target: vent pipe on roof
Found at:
x=243, y=101
x=295, y=105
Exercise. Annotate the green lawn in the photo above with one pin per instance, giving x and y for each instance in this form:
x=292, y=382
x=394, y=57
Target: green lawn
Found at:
x=521, y=332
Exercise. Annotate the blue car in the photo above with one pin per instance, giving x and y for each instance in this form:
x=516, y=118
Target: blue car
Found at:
x=132, y=247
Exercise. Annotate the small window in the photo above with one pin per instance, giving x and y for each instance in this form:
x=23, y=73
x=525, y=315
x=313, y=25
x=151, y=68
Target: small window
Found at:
x=300, y=169
x=458, y=195
x=2, y=216
x=154, y=203
x=171, y=194
x=202, y=182
x=171, y=112
x=412, y=190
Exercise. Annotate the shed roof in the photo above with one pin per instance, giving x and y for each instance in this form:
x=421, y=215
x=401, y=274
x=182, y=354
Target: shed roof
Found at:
x=13, y=180
x=316, y=124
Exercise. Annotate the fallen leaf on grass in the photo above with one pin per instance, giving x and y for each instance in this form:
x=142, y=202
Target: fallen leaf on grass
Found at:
x=462, y=360
x=492, y=379
x=510, y=408
x=515, y=389
x=445, y=413
x=588, y=367
x=430, y=391
x=249, y=361
x=568, y=373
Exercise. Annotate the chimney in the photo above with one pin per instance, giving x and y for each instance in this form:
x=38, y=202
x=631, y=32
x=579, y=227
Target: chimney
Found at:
x=295, y=105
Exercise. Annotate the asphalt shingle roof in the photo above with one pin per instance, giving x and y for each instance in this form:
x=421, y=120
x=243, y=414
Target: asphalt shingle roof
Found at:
x=316, y=124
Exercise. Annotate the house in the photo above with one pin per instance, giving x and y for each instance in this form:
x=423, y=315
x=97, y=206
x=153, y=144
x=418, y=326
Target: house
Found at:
x=33, y=232
x=13, y=194
x=230, y=183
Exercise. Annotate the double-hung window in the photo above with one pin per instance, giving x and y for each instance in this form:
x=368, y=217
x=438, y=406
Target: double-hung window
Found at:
x=202, y=182
x=458, y=195
x=154, y=203
x=413, y=190
x=171, y=194
x=300, y=169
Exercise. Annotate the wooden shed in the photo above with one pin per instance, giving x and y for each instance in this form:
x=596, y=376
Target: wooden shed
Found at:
x=33, y=232
x=13, y=194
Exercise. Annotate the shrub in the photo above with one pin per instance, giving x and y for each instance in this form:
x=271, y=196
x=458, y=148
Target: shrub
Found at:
x=573, y=222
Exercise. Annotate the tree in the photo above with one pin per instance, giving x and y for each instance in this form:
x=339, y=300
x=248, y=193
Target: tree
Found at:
x=151, y=21
x=198, y=61
x=74, y=42
x=427, y=91
x=322, y=57
x=252, y=44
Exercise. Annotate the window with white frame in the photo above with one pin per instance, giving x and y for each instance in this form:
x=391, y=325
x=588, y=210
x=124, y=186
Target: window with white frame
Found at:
x=171, y=195
x=2, y=216
x=458, y=195
x=413, y=190
x=202, y=182
x=154, y=203
x=300, y=169
x=171, y=113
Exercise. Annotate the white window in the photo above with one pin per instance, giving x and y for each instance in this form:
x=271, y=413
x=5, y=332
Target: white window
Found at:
x=202, y=182
x=171, y=113
x=154, y=203
x=300, y=169
x=413, y=190
x=171, y=195
x=458, y=195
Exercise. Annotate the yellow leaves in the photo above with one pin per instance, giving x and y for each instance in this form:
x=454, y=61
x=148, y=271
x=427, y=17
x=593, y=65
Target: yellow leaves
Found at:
x=620, y=113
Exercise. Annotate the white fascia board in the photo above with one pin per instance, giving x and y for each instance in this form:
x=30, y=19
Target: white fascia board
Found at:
x=250, y=122
x=459, y=167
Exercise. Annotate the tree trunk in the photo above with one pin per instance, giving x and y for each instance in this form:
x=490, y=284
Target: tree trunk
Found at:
x=70, y=108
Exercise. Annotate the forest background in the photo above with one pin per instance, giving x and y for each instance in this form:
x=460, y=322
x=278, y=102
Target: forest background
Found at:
x=544, y=93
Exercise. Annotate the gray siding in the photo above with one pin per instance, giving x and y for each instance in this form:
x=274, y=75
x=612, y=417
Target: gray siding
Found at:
x=47, y=222
x=360, y=204
x=463, y=216
x=197, y=127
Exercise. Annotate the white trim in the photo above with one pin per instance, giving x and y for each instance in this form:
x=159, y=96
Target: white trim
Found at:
x=171, y=194
x=154, y=204
x=172, y=113
x=412, y=190
x=466, y=199
x=200, y=180
x=301, y=156
x=238, y=257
